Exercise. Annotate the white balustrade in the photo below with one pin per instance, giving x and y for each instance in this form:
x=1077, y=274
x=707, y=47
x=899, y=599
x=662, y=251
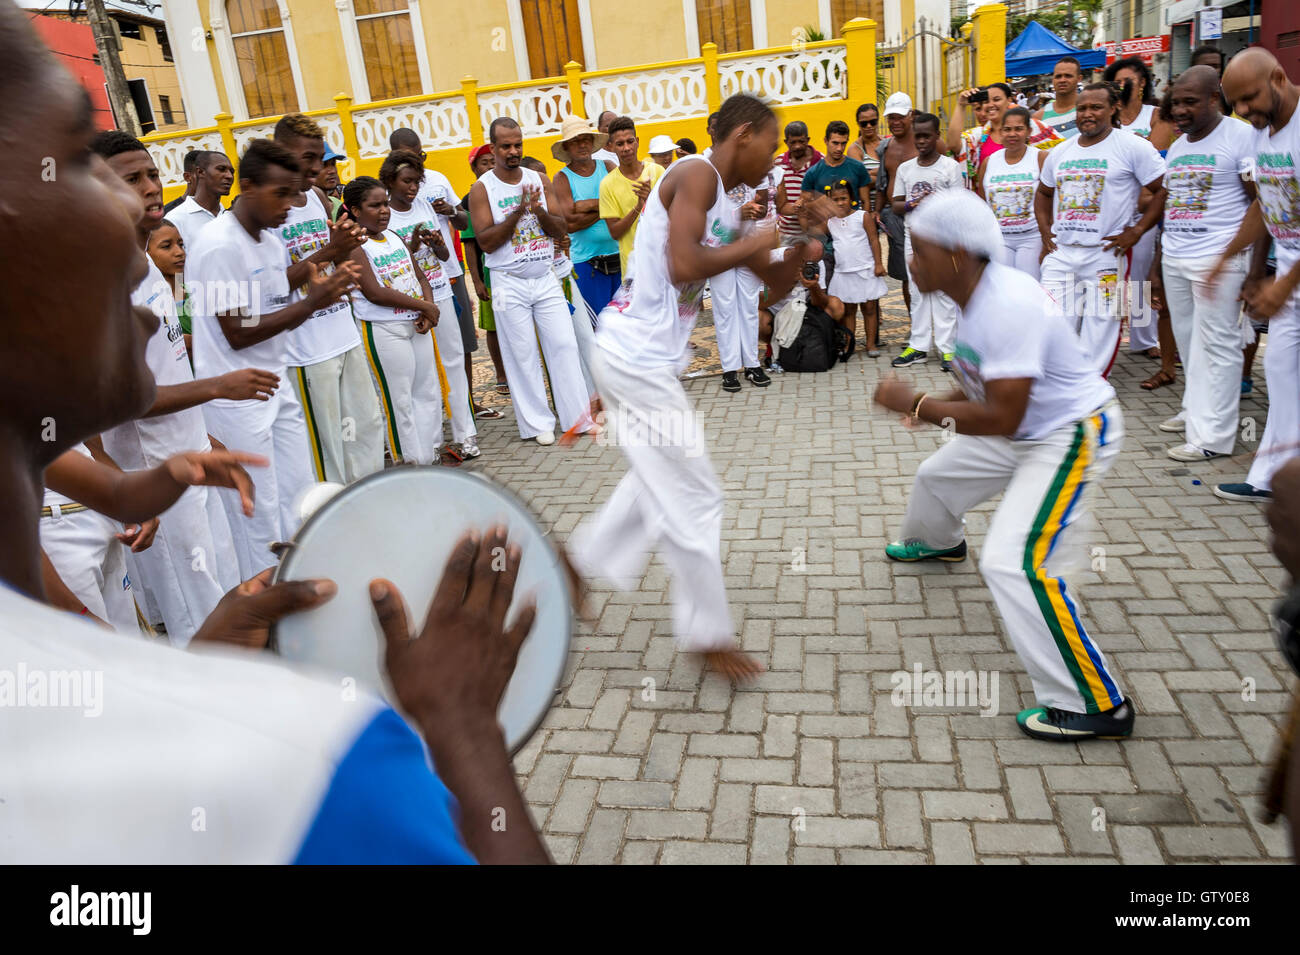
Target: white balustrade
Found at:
x=440, y=124
x=648, y=95
x=801, y=76
x=539, y=110
x=247, y=134
x=169, y=155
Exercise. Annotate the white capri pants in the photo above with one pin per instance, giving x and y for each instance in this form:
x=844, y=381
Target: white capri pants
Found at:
x=410, y=394
x=669, y=501
x=1044, y=482
x=84, y=549
x=1208, y=332
x=1143, y=332
x=1021, y=251
x=1281, y=441
x=735, y=317
x=526, y=310
x=451, y=349
x=341, y=410
x=276, y=430
x=933, y=313
x=1085, y=282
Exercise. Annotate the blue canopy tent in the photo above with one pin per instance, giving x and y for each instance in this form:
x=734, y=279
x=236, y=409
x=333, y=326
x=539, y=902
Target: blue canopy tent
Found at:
x=1038, y=49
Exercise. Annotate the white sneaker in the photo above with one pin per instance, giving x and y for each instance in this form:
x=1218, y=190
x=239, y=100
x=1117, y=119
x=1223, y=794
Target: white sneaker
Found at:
x=1174, y=425
x=1190, y=452
x=546, y=438
x=470, y=447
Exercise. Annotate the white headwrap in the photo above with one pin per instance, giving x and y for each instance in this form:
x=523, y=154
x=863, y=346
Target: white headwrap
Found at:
x=958, y=219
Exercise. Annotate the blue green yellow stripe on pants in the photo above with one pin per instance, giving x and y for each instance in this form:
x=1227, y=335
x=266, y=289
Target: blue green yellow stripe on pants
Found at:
x=1082, y=658
x=385, y=397
x=313, y=430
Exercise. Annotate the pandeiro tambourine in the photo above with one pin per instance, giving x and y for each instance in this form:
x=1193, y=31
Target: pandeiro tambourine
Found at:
x=401, y=524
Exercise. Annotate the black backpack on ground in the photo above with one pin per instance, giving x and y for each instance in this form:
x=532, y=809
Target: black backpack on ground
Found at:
x=817, y=346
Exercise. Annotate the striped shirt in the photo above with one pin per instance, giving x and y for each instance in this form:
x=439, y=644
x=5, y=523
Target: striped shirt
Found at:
x=793, y=181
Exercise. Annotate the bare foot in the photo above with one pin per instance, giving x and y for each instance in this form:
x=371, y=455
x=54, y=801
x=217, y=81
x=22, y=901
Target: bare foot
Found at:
x=577, y=586
x=735, y=666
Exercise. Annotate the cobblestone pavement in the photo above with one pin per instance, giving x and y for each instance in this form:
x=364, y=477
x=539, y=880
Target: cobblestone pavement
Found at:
x=644, y=758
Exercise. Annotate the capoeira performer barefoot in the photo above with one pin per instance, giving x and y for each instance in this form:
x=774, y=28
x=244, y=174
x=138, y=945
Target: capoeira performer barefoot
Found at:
x=1033, y=419
x=1087, y=193
x=670, y=498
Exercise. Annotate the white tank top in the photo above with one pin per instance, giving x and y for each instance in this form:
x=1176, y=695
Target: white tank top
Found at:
x=649, y=320
x=528, y=254
x=393, y=269
x=852, y=249
x=1009, y=190
x=403, y=223
x=330, y=331
x=1141, y=125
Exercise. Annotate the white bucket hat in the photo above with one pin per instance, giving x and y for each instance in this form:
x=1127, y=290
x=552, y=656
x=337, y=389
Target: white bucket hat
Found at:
x=661, y=144
x=573, y=128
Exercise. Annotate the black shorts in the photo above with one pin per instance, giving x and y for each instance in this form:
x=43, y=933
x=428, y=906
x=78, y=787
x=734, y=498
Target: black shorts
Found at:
x=896, y=263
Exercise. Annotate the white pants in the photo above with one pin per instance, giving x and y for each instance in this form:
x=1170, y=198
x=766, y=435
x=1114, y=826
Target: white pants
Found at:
x=735, y=317
x=1021, y=251
x=669, y=501
x=339, y=405
x=276, y=430
x=584, y=331
x=526, y=310
x=932, y=313
x=1085, y=282
x=1281, y=440
x=84, y=549
x=410, y=394
x=1208, y=333
x=1044, y=484
x=1143, y=333
x=451, y=349
x=191, y=564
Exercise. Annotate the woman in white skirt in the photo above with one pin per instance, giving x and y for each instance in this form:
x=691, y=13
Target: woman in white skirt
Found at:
x=396, y=312
x=858, y=279
x=1007, y=180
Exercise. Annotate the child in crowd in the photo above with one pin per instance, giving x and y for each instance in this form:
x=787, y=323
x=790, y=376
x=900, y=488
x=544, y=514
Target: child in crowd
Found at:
x=396, y=311
x=413, y=218
x=859, y=267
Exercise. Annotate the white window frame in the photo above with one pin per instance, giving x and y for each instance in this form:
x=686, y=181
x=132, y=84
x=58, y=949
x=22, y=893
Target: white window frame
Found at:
x=348, y=18
x=225, y=43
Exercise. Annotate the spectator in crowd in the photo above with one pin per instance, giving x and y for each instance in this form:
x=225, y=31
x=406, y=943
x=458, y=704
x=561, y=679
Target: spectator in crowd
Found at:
x=624, y=191
x=593, y=251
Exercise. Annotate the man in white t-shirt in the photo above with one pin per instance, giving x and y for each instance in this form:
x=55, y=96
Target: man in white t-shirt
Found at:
x=192, y=562
x=1208, y=188
x=1260, y=93
x=213, y=177
x=242, y=279
x=327, y=364
x=915, y=180
x=514, y=227
x=602, y=124
x=1087, y=193
x=1034, y=422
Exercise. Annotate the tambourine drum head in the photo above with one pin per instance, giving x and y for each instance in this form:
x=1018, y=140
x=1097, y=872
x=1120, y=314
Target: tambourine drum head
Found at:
x=401, y=524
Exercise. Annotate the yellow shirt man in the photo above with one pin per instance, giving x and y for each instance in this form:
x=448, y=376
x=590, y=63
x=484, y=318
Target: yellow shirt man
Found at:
x=618, y=198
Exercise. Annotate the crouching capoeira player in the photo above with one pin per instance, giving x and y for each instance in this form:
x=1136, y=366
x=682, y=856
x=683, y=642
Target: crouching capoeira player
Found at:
x=1035, y=420
x=509, y=209
x=1260, y=93
x=243, y=275
x=670, y=498
x=1087, y=193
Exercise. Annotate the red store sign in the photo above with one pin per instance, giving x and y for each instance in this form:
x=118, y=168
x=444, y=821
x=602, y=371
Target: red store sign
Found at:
x=1144, y=46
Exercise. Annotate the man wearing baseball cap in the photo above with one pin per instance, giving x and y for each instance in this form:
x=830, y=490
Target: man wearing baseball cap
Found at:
x=592, y=249
x=328, y=181
x=895, y=149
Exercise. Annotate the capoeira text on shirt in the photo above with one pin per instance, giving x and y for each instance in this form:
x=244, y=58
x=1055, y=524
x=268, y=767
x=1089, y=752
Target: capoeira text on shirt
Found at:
x=1079, y=183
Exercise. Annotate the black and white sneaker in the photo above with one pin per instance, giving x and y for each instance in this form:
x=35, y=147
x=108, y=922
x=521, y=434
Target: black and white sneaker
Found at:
x=731, y=381
x=757, y=377
x=1062, y=726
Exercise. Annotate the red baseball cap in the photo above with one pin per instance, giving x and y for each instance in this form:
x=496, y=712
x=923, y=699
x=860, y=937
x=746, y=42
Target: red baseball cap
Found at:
x=477, y=152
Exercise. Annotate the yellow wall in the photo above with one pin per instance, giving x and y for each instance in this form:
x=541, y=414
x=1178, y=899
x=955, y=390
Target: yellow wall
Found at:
x=317, y=35
x=785, y=17
x=143, y=60
x=646, y=31
x=469, y=38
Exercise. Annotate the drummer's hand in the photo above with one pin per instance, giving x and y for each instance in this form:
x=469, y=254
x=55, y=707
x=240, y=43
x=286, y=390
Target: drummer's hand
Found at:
x=452, y=675
x=244, y=616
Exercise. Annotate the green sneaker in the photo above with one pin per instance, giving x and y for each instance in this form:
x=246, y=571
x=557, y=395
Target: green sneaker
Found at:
x=911, y=550
x=1062, y=726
